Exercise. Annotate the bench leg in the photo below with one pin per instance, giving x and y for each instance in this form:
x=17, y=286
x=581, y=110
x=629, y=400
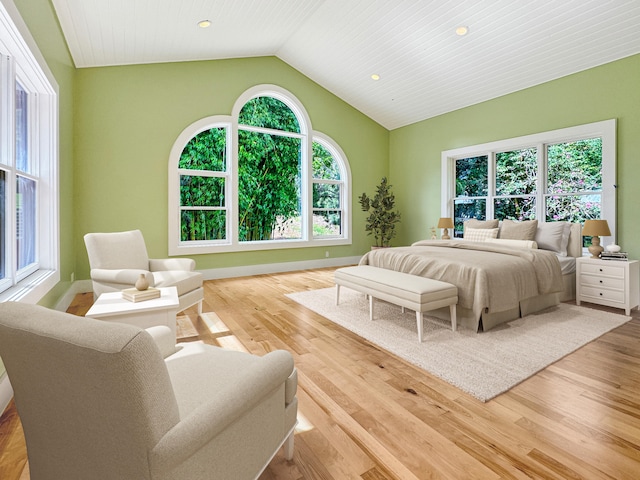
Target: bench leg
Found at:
x=337, y=294
x=454, y=320
x=371, y=307
x=420, y=323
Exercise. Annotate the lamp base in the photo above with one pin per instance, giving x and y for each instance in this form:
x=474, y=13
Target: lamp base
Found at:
x=445, y=234
x=595, y=249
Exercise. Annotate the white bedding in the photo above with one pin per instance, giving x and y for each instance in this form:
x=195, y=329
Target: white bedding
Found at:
x=567, y=264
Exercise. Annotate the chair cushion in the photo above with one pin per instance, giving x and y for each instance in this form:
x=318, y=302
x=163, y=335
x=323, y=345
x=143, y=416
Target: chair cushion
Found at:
x=183, y=281
x=402, y=286
x=117, y=250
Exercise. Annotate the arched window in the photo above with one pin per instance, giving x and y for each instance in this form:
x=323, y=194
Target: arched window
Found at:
x=258, y=179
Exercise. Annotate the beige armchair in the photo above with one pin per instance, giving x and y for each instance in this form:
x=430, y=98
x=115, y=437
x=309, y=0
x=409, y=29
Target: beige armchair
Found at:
x=97, y=400
x=117, y=259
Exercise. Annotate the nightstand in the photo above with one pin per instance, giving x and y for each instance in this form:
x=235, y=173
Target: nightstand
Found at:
x=608, y=282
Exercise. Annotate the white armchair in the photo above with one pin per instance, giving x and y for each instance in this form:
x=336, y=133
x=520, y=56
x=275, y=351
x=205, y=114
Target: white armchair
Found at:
x=118, y=258
x=97, y=400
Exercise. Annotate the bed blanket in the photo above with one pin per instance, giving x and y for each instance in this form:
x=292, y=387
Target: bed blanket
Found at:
x=489, y=277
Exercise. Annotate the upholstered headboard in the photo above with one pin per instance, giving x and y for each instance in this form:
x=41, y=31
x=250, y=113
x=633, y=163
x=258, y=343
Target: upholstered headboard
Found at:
x=574, y=247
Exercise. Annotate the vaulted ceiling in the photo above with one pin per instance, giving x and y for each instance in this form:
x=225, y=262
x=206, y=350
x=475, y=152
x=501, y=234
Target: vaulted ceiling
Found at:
x=425, y=69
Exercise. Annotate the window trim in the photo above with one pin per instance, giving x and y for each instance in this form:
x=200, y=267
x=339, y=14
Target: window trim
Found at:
x=345, y=173
x=231, y=243
x=27, y=65
x=605, y=129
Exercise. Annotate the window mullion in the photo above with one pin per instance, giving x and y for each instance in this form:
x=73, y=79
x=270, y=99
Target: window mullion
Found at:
x=541, y=182
x=271, y=131
x=233, y=228
x=491, y=185
x=7, y=101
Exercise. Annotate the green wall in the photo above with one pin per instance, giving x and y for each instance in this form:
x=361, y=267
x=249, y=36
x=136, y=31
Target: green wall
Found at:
x=605, y=92
x=128, y=117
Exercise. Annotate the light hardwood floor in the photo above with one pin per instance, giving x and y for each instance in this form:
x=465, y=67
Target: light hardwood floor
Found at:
x=365, y=414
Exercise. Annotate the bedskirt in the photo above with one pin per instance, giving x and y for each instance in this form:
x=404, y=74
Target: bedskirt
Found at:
x=467, y=319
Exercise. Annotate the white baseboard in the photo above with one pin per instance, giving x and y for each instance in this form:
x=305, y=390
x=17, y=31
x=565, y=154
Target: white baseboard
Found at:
x=6, y=392
x=248, y=270
x=84, y=286
x=81, y=286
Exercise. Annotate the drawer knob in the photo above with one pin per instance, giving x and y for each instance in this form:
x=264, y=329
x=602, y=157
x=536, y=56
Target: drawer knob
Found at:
x=600, y=281
x=600, y=269
x=600, y=293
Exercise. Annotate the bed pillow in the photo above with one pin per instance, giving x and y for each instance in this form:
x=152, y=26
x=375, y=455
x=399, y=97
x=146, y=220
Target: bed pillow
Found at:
x=480, y=234
x=508, y=242
x=475, y=223
x=553, y=236
x=525, y=230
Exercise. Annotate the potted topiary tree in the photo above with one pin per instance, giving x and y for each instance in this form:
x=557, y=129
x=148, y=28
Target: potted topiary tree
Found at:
x=382, y=217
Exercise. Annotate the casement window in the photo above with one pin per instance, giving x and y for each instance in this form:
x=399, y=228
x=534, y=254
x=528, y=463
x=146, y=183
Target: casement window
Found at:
x=29, y=254
x=566, y=174
x=258, y=179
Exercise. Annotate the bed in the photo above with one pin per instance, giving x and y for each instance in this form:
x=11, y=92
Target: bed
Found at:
x=497, y=281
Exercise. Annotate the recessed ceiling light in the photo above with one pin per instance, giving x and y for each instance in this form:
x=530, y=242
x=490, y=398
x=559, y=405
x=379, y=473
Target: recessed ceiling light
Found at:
x=462, y=31
x=204, y=23
x=375, y=76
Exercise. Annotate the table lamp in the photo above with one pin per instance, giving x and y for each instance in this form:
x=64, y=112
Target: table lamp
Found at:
x=445, y=223
x=595, y=229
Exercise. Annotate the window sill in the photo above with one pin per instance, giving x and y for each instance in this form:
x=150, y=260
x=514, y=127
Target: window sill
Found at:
x=32, y=288
x=203, y=248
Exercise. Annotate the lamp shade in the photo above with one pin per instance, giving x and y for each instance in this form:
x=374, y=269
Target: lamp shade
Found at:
x=445, y=222
x=596, y=228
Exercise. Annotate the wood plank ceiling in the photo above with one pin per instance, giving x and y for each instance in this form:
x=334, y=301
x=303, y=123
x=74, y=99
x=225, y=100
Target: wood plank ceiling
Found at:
x=425, y=69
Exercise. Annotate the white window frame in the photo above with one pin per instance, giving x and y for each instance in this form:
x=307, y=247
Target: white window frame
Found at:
x=22, y=60
x=606, y=130
x=231, y=243
x=345, y=173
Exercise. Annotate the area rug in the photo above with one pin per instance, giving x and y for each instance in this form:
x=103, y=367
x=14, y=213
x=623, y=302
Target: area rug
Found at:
x=481, y=364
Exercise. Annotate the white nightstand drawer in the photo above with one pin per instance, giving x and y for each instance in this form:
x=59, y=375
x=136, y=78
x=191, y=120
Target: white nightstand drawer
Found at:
x=608, y=282
x=604, y=294
x=609, y=270
x=602, y=281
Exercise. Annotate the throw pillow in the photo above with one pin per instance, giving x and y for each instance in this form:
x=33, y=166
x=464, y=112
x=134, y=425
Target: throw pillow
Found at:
x=475, y=223
x=553, y=236
x=525, y=230
x=480, y=234
x=507, y=242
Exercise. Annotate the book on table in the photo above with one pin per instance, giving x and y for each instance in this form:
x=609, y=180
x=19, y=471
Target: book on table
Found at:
x=621, y=256
x=134, y=295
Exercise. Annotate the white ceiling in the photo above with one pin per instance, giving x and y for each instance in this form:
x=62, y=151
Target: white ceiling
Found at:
x=425, y=68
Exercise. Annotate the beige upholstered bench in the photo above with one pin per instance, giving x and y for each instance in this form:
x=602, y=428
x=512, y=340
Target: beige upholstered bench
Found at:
x=408, y=291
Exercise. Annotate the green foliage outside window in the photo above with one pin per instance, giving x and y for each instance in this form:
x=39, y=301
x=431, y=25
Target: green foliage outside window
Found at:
x=516, y=176
x=269, y=172
x=327, y=214
x=472, y=177
x=269, y=179
x=204, y=153
x=268, y=185
x=269, y=112
x=575, y=167
x=471, y=181
x=573, y=189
